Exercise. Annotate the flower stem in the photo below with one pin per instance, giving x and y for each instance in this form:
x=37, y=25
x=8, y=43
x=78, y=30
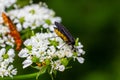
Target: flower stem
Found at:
x=26, y=76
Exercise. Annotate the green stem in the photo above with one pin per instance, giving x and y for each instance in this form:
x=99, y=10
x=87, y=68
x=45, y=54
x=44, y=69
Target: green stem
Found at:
x=52, y=77
x=26, y=76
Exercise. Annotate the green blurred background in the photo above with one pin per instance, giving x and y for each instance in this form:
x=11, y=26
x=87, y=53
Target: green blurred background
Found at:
x=97, y=24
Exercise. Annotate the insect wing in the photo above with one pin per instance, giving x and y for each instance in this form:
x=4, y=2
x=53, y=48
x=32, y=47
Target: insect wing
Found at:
x=64, y=31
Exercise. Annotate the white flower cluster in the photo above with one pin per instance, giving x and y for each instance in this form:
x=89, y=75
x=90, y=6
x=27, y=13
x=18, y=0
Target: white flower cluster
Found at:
x=45, y=47
x=34, y=16
x=42, y=48
x=6, y=58
x=5, y=4
x=7, y=53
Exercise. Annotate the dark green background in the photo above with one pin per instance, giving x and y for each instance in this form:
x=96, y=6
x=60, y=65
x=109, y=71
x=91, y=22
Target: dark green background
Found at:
x=97, y=24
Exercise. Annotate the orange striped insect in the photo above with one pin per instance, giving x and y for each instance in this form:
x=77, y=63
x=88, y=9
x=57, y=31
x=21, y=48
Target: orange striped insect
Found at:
x=62, y=32
x=13, y=31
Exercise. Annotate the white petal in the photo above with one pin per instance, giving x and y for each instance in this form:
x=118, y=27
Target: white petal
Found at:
x=2, y=51
x=23, y=53
x=10, y=67
x=19, y=27
x=10, y=60
x=4, y=64
x=16, y=21
x=14, y=72
x=27, y=42
x=61, y=68
x=45, y=25
x=79, y=45
x=80, y=50
x=11, y=53
x=80, y=59
x=1, y=59
x=26, y=25
x=68, y=54
x=27, y=63
x=51, y=28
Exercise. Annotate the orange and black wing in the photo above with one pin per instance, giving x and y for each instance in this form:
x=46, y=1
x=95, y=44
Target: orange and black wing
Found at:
x=66, y=33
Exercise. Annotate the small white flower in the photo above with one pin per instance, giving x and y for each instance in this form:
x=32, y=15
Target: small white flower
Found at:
x=68, y=52
x=61, y=68
x=9, y=56
x=2, y=44
x=79, y=45
x=79, y=49
x=2, y=72
x=51, y=51
x=3, y=30
x=11, y=71
x=7, y=70
x=8, y=40
x=60, y=54
x=14, y=72
x=56, y=65
x=2, y=52
x=4, y=64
